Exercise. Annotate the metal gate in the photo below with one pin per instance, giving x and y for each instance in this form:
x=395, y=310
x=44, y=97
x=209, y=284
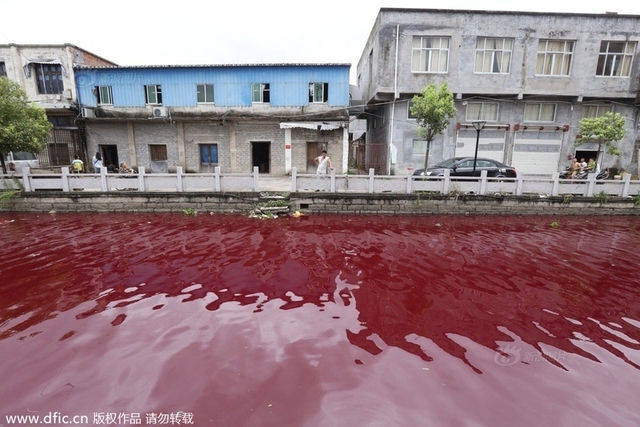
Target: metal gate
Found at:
x=62, y=145
x=371, y=155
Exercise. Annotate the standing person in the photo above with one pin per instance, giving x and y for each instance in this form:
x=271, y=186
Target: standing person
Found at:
x=97, y=162
x=77, y=165
x=323, y=162
x=575, y=167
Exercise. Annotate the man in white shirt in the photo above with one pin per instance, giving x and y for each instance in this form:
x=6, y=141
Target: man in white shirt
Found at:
x=323, y=163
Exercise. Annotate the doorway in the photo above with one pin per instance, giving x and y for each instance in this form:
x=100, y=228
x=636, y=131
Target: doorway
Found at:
x=261, y=156
x=109, y=157
x=314, y=150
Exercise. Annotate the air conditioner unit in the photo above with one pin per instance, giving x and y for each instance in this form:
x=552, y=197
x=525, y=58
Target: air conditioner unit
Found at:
x=88, y=113
x=158, y=112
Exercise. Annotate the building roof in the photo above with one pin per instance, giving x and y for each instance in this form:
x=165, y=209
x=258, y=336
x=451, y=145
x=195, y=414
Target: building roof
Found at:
x=59, y=46
x=213, y=65
x=504, y=12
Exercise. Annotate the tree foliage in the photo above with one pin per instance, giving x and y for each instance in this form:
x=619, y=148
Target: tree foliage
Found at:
x=433, y=109
x=605, y=130
x=23, y=126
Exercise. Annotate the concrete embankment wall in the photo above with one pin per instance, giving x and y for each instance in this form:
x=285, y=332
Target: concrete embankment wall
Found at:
x=245, y=202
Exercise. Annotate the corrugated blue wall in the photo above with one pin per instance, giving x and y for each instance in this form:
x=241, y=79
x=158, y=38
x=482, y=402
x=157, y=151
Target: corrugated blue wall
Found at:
x=289, y=84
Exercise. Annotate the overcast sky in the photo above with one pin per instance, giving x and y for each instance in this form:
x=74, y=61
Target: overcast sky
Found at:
x=141, y=32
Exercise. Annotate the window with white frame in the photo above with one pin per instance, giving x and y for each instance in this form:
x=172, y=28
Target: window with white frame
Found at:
x=554, y=57
x=430, y=54
x=487, y=111
x=596, y=110
x=419, y=147
x=104, y=95
x=615, y=59
x=204, y=93
x=153, y=94
x=260, y=92
x=493, y=55
x=318, y=92
x=49, y=77
x=539, y=112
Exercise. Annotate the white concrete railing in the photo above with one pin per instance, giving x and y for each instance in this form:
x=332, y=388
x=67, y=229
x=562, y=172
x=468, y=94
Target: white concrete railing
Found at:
x=371, y=183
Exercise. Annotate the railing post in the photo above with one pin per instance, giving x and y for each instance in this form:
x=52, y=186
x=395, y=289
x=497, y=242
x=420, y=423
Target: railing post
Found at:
x=519, y=186
x=256, y=180
x=446, y=183
x=294, y=179
x=371, y=180
x=141, y=183
x=65, y=179
x=591, y=178
x=409, y=181
x=555, y=185
x=483, y=182
x=26, y=179
x=626, y=184
x=179, y=178
x=216, y=179
x=332, y=183
x=103, y=179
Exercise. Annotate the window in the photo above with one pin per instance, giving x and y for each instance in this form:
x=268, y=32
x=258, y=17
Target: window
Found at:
x=615, y=59
x=318, y=92
x=104, y=95
x=205, y=94
x=409, y=115
x=157, y=152
x=260, y=92
x=3, y=70
x=487, y=111
x=419, y=147
x=49, y=78
x=596, y=110
x=430, y=54
x=493, y=55
x=554, y=57
x=539, y=112
x=153, y=94
x=209, y=153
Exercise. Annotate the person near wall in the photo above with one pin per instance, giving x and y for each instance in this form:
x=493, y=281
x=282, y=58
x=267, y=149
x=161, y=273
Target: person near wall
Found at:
x=124, y=168
x=77, y=166
x=97, y=162
x=323, y=163
x=575, y=168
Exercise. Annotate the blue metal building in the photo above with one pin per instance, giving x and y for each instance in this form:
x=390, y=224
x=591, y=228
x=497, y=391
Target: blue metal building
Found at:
x=273, y=116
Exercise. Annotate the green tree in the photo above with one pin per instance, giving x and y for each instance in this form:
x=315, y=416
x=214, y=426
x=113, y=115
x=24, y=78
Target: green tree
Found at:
x=433, y=109
x=23, y=125
x=605, y=130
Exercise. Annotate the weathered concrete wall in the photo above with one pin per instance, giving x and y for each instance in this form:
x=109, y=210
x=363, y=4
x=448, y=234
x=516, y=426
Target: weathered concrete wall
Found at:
x=396, y=204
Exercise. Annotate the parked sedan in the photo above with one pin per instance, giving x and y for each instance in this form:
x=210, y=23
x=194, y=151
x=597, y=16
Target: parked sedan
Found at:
x=463, y=166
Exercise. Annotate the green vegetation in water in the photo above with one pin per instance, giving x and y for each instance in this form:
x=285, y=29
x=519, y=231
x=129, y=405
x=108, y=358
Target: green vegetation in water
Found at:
x=190, y=212
x=555, y=224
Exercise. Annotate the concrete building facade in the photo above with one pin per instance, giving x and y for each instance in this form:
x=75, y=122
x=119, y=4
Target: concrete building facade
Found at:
x=530, y=76
x=46, y=73
x=236, y=117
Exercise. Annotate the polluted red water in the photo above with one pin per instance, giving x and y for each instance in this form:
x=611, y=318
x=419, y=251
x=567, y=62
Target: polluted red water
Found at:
x=321, y=320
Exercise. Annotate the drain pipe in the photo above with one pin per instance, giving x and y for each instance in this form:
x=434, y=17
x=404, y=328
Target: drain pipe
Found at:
x=393, y=105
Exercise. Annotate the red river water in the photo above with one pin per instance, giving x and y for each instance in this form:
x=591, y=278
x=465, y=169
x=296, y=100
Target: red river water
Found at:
x=323, y=320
